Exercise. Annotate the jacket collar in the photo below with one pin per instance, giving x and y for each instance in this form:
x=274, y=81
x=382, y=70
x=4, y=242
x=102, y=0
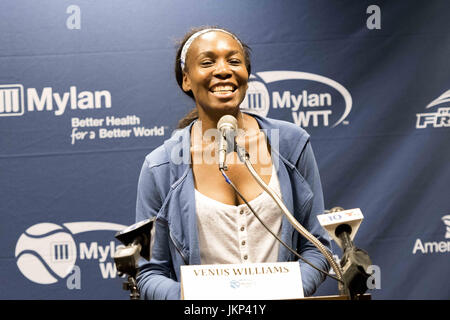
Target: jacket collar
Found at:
x=283, y=152
x=178, y=146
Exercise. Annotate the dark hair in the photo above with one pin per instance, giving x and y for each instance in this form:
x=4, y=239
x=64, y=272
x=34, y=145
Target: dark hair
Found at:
x=193, y=114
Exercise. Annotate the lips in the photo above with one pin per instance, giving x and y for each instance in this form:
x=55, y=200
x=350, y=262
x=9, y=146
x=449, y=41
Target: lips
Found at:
x=223, y=89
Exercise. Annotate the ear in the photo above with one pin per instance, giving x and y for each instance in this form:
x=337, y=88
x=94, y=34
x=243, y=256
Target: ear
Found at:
x=186, y=82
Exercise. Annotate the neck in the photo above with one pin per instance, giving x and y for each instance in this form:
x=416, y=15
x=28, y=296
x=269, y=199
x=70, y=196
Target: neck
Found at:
x=205, y=129
x=210, y=121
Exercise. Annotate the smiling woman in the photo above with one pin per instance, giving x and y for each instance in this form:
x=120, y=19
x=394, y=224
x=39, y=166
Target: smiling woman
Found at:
x=215, y=73
x=200, y=217
x=223, y=42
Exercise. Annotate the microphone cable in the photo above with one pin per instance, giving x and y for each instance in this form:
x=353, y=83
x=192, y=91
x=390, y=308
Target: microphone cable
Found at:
x=273, y=234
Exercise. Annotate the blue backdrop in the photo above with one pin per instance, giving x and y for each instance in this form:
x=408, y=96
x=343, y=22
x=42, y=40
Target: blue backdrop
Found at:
x=87, y=90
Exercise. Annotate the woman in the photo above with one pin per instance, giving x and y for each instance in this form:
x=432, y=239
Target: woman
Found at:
x=200, y=219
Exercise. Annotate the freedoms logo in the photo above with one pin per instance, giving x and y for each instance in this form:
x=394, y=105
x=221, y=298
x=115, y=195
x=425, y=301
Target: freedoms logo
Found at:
x=435, y=246
x=47, y=252
x=438, y=119
x=12, y=100
x=313, y=100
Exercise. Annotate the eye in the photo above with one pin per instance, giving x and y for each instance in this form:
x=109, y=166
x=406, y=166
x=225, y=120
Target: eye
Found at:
x=235, y=61
x=206, y=62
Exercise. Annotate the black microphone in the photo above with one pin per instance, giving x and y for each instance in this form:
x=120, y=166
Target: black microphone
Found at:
x=227, y=127
x=354, y=262
x=137, y=239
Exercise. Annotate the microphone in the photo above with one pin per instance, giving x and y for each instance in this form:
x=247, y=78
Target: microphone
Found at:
x=342, y=226
x=227, y=127
x=348, y=220
x=137, y=239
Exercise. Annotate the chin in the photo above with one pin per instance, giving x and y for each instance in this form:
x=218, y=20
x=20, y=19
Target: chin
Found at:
x=226, y=109
x=217, y=110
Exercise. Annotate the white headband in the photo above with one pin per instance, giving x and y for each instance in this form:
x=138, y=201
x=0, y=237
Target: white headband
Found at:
x=191, y=39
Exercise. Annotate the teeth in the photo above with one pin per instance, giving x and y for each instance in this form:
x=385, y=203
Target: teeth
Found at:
x=222, y=88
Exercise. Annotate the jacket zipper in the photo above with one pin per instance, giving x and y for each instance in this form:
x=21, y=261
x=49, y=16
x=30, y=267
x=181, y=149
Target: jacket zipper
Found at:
x=178, y=249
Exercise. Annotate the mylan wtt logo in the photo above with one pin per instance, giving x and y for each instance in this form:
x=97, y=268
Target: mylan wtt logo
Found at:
x=313, y=100
x=47, y=252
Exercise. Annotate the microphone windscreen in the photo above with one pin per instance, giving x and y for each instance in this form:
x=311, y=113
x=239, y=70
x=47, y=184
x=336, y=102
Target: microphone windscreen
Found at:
x=227, y=121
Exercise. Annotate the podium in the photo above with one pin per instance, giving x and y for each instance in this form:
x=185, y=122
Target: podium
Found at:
x=251, y=281
x=365, y=296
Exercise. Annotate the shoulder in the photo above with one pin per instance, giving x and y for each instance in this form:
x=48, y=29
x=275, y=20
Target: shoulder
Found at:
x=157, y=157
x=289, y=129
x=291, y=138
x=170, y=161
x=163, y=155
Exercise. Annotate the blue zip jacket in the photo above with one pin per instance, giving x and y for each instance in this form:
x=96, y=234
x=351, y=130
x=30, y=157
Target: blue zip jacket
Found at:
x=166, y=190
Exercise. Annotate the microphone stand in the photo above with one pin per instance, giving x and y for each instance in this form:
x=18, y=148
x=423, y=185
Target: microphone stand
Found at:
x=125, y=259
x=244, y=157
x=354, y=263
x=131, y=286
x=137, y=239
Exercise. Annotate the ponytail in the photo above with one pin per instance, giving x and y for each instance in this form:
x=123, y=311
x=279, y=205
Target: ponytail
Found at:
x=187, y=119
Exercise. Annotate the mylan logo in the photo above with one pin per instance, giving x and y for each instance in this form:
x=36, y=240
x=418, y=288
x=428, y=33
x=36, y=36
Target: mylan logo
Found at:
x=12, y=100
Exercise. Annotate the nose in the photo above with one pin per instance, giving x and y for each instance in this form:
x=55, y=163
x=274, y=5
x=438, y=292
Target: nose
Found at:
x=222, y=70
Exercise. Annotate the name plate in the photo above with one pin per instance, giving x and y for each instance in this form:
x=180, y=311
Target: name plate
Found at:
x=249, y=281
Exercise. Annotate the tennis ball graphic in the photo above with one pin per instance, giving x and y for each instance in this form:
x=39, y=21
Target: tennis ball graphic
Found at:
x=45, y=253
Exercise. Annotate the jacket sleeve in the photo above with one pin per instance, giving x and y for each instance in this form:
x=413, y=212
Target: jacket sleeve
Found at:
x=154, y=278
x=312, y=278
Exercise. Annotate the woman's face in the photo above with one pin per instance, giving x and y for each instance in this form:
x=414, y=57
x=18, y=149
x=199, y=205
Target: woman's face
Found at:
x=216, y=73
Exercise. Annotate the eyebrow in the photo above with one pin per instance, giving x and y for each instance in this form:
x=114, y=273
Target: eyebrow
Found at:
x=212, y=53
